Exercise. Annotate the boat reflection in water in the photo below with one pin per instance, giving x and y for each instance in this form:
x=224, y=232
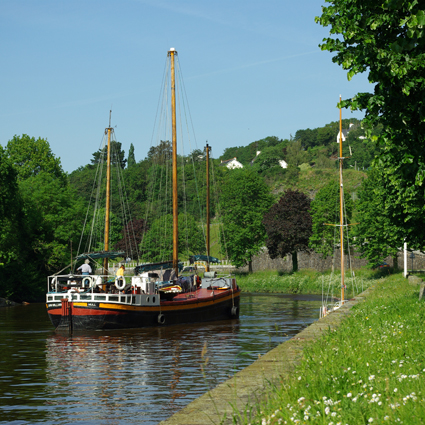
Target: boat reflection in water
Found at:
x=152, y=370
x=157, y=371
x=133, y=376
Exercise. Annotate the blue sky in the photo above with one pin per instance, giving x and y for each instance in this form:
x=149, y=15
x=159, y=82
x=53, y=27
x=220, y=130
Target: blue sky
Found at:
x=251, y=69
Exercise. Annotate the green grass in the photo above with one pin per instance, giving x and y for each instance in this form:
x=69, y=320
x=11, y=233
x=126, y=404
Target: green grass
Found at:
x=305, y=281
x=312, y=180
x=371, y=370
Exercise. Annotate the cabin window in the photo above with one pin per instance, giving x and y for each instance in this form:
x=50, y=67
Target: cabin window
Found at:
x=50, y=298
x=85, y=297
x=133, y=300
x=123, y=299
x=113, y=298
x=58, y=297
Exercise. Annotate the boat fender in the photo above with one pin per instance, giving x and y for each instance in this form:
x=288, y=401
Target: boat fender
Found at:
x=161, y=319
x=99, y=281
x=120, y=282
x=87, y=282
x=234, y=311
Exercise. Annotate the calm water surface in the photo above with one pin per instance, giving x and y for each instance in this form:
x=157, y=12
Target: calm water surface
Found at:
x=132, y=376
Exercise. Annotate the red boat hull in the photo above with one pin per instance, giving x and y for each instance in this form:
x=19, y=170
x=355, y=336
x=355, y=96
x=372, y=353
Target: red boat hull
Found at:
x=202, y=306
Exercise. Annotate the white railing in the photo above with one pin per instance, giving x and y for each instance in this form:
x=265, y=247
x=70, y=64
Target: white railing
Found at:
x=132, y=264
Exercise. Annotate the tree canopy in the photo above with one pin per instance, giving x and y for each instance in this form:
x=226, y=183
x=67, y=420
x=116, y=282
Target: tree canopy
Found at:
x=157, y=242
x=325, y=212
x=30, y=157
x=387, y=40
x=41, y=218
x=131, y=158
x=245, y=199
x=377, y=237
x=117, y=154
x=288, y=226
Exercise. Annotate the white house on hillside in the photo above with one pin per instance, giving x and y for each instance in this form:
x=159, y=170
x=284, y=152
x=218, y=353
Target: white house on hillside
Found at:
x=283, y=163
x=231, y=163
x=344, y=134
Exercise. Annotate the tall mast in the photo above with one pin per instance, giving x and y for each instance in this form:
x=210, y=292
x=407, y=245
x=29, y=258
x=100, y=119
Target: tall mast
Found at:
x=208, y=148
x=172, y=53
x=341, y=201
x=108, y=194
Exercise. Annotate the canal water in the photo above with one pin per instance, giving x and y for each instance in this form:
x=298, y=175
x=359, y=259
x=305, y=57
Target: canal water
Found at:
x=132, y=376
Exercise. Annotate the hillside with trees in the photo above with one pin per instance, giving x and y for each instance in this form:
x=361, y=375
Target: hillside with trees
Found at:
x=44, y=208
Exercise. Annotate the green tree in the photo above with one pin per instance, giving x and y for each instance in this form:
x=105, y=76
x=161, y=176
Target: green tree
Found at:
x=245, y=199
x=117, y=155
x=131, y=158
x=269, y=158
x=30, y=157
x=95, y=235
x=387, y=40
x=11, y=224
x=376, y=237
x=160, y=154
x=54, y=216
x=49, y=220
x=157, y=242
x=307, y=137
x=325, y=212
x=288, y=226
x=295, y=154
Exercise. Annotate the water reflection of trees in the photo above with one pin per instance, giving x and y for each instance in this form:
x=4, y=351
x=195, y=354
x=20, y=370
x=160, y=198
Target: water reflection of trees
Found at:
x=108, y=376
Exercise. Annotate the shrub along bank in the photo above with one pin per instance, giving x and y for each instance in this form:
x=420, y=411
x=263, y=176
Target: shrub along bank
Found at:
x=369, y=370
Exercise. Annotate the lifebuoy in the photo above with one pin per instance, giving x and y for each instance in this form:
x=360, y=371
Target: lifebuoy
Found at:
x=89, y=281
x=161, y=319
x=119, y=285
x=53, y=283
x=234, y=311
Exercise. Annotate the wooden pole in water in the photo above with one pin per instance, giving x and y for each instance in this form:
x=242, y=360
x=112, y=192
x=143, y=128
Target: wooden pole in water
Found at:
x=108, y=195
x=341, y=201
x=172, y=52
x=208, y=148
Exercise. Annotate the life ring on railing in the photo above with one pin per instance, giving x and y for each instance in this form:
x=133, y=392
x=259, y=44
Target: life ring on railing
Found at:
x=234, y=311
x=89, y=281
x=119, y=286
x=161, y=319
x=53, y=283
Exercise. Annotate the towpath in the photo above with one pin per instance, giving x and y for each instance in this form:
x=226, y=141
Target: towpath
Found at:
x=240, y=393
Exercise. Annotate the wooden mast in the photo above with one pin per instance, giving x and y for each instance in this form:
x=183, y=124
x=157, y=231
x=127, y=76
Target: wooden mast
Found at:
x=108, y=195
x=172, y=52
x=341, y=205
x=208, y=148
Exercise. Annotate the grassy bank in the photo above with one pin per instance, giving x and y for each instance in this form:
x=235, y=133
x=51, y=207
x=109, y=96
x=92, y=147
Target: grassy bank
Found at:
x=305, y=282
x=370, y=370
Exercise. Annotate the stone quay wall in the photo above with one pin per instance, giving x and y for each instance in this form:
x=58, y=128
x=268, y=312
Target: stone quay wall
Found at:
x=317, y=262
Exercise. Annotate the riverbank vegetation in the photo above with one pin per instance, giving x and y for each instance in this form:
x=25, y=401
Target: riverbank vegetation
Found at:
x=307, y=281
x=369, y=370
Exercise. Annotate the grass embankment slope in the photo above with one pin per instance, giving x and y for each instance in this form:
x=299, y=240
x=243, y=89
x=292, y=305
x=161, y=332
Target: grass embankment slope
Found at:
x=311, y=180
x=370, y=370
x=306, y=281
